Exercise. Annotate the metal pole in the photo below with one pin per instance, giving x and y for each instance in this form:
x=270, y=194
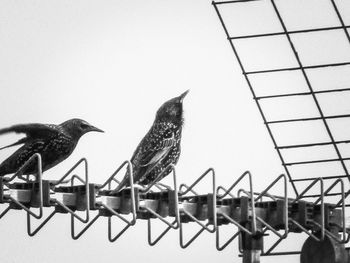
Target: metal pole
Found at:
x=252, y=247
x=251, y=256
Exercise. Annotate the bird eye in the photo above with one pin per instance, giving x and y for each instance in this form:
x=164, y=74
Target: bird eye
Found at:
x=84, y=126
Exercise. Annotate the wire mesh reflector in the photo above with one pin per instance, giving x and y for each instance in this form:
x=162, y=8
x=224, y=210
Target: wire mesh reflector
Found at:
x=297, y=65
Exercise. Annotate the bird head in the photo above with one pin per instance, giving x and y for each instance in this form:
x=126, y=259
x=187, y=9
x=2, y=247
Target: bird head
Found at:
x=78, y=127
x=171, y=110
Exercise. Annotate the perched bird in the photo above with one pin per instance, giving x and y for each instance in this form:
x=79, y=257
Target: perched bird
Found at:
x=53, y=142
x=160, y=147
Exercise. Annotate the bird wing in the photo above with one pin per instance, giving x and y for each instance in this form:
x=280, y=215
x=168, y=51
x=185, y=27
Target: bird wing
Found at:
x=20, y=156
x=156, y=154
x=146, y=158
x=32, y=131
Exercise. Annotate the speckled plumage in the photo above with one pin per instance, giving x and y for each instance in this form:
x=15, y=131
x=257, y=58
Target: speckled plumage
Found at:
x=160, y=147
x=54, y=143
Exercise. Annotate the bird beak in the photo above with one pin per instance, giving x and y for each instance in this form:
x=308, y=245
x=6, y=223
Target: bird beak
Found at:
x=93, y=128
x=183, y=95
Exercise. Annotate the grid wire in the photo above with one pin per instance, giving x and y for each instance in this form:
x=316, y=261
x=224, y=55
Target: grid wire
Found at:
x=339, y=158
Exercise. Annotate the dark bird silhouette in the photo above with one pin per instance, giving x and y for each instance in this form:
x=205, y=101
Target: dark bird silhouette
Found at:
x=53, y=142
x=160, y=147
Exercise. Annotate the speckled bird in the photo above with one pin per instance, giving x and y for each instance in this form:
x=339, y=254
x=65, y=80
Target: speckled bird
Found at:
x=160, y=147
x=53, y=142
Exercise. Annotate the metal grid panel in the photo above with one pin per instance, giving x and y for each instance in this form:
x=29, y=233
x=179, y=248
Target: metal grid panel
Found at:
x=326, y=152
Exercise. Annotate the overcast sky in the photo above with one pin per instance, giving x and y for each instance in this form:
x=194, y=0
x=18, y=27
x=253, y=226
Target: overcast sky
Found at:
x=113, y=63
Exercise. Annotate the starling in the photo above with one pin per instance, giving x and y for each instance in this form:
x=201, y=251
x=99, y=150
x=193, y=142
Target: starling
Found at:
x=160, y=147
x=53, y=142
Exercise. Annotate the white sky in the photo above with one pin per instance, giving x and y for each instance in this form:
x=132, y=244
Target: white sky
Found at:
x=113, y=63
